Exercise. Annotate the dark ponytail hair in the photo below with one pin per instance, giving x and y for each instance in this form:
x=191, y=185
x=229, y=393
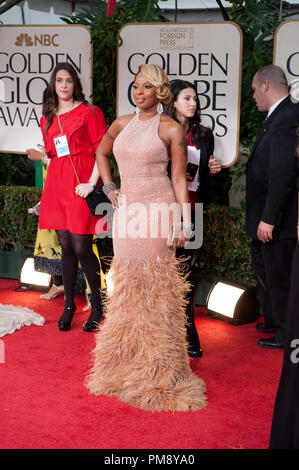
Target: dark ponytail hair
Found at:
x=199, y=131
x=50, y=105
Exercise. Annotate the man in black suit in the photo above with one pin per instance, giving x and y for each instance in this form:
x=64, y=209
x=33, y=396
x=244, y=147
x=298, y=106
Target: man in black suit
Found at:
x=271, y=199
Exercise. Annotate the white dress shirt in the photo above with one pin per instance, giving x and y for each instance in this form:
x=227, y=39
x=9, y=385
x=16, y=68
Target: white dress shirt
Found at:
x=274, y=106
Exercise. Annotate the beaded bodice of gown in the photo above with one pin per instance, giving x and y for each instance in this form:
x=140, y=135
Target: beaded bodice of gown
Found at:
x=139, y=151
x=142, y=160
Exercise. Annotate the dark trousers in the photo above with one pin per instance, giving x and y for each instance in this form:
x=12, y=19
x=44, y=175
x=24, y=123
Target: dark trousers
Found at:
x=285, y=422
x=192, y=335
x=272, y=263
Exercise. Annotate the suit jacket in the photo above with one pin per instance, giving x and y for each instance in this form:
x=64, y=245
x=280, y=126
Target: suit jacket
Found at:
x=271, y=174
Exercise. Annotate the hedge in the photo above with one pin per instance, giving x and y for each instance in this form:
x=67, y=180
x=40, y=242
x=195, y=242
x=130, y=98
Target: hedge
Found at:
x=226, y=246
x=225, y=251
x=17, y=227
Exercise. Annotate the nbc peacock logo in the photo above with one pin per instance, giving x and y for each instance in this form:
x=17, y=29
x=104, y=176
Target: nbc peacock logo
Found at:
x=41, y=39
x=24, y=40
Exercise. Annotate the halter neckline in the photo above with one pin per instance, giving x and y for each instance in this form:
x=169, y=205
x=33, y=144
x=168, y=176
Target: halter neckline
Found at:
x=147, y=120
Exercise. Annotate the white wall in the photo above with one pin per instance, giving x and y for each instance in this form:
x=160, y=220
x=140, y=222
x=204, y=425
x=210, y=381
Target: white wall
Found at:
x=49, y=11
x=37, y=12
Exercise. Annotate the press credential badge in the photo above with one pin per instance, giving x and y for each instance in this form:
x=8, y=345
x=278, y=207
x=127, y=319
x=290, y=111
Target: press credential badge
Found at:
x=62, y=146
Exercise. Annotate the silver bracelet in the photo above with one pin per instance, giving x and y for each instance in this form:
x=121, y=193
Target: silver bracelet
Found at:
x=187, y=229
x=108, y=187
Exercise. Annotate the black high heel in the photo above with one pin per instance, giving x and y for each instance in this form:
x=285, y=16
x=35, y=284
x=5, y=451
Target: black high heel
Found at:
x=195, y=351
x=68, y=312
x=93, y=322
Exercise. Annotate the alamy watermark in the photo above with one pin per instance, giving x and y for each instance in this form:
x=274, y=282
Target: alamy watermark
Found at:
x=294, y=357
x=155, y=220
x=294, y=91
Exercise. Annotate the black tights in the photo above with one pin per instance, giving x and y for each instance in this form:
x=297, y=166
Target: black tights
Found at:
x=79, y=247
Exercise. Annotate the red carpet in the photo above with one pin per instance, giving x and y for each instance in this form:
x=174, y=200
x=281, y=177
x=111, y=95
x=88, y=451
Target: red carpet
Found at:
x=45, y=405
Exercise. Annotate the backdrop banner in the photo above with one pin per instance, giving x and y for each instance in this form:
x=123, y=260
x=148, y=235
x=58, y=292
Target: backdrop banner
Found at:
x=28, y=55
x=286, y=53
x=206, y=54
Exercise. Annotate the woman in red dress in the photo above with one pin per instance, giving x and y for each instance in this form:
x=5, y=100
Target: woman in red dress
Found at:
x=72, y=130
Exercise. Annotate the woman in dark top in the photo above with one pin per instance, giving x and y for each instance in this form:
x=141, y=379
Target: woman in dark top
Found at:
x=185, y=109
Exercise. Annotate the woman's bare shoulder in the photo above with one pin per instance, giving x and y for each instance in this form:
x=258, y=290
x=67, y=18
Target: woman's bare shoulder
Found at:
x=170, y=124
x=118, y=125
x=122, y=121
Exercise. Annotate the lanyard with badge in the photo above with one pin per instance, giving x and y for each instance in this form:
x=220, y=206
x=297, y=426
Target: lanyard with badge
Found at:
x=62, y=146
x=60, y=142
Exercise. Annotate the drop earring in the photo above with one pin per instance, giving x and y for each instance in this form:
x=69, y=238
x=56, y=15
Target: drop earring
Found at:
x=160, y=108
x=137, y=110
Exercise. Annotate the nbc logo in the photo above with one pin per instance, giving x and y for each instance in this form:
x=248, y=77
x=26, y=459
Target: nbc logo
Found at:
x=24, y=40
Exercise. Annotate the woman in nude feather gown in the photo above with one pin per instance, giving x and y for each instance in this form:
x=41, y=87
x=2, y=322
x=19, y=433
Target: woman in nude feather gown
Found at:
x=141, y=350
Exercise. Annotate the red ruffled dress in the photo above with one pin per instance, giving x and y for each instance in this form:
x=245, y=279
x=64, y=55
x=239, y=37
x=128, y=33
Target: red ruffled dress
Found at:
x=60, y=207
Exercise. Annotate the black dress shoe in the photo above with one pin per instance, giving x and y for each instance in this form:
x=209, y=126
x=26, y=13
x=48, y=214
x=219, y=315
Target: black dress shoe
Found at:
x=271, y=343
x=91, y=326
x=93, y=322
x=263, y=328
x=194, y=351
x=64, y=322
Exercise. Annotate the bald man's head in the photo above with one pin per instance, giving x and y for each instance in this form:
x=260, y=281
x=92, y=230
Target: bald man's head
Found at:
x=272, y=74
x=269, y=86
